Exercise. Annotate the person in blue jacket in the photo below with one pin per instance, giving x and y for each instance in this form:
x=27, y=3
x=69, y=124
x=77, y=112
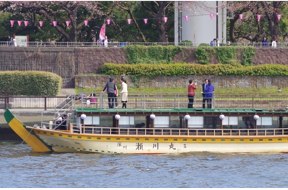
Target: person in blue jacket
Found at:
x=209, y=91
x=264, y=42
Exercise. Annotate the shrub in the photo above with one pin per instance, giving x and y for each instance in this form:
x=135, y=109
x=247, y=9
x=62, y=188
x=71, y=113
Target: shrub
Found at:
x=204, y=44
x=36, y=83
x=184, y=69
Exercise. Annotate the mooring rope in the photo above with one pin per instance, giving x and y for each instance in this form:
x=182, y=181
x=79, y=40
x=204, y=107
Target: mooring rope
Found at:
x=27, y=135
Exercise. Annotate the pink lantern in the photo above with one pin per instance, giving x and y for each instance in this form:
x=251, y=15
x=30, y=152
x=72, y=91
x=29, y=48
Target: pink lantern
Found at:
x=241, y=16
x=54, y=23
x=41, y=23
x=258, y=17
x=26, y=23
x=108, y=21
x=19, y=22
x=186, y=18
x=67, y=23
x=12, y=23
x=129, y=21
x=165, y=19
x=278, y=16
x=145, y=20
x=211, y=16
x=85, y=22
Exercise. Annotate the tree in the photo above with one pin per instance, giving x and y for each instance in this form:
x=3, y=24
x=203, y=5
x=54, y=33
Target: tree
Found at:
x=249, y=28
x=57, y=10
x=159, y=9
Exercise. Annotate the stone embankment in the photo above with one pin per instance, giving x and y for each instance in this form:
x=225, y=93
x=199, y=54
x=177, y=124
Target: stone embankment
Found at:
x=99, y=81
x=70, y=62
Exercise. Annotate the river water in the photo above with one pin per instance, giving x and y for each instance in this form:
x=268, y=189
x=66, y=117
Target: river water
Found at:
x=21, y=167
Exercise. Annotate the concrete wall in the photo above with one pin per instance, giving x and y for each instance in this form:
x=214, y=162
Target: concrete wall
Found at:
x=69, y=62
x=99, y=81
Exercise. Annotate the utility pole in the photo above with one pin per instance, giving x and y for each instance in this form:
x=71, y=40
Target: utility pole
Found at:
x=217, y=36
x=176, y=27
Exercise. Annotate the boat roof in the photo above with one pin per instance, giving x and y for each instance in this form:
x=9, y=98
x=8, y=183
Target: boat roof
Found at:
x=198, y=111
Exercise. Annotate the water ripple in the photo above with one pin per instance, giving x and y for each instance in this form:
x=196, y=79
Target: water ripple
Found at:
x=21, y=167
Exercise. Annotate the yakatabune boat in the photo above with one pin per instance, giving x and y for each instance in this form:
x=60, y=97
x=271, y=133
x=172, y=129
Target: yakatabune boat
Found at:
x=158, y=130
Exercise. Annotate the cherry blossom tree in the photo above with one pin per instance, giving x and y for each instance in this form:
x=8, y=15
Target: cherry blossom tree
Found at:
x=250, y=9
x=60, y=11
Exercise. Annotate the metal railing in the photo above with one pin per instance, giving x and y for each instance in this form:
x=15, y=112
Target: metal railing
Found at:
x=144, y=100
x=122, y=44
x=77, y=128
x=180, y=100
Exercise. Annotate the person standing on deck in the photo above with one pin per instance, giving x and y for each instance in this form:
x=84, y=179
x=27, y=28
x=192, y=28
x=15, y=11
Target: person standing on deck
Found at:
x=124, y=93
x=110, y=87
x=209, y=93
x=191, y=93
x=203, y=88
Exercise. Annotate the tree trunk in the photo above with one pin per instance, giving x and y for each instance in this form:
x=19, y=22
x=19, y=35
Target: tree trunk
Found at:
x=231, y=29
x=160, y=24
x=275, y=26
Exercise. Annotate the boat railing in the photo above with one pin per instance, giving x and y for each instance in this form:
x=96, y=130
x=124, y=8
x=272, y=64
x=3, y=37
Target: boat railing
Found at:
x=77, y=128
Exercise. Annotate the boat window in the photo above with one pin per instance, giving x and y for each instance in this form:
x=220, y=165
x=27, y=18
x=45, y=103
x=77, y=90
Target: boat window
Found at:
x=246, y=122
x=175, y=122
x=92, y=120
x=212, y=122
x=126, y=121
x=264, y=121
x=230, y=121
x=161, y=121
x=139, y=122
x=196, y=122
x=106, y=121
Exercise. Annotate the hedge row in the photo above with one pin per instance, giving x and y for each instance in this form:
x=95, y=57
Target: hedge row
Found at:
x=184, y=69
x=30, y=83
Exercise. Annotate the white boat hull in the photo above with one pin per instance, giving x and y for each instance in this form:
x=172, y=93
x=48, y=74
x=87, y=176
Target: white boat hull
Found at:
x=134, y=147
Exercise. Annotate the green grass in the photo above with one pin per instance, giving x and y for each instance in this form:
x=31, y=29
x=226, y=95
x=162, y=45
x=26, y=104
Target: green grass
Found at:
x=218, y=91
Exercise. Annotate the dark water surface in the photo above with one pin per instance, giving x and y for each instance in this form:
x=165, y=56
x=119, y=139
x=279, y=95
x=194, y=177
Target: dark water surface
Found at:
x=21, y=167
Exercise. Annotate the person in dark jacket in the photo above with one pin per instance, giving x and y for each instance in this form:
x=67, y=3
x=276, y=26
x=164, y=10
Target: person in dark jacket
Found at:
x=264, y=42
x=209, y=93
x=110, y=87
x=203, y=88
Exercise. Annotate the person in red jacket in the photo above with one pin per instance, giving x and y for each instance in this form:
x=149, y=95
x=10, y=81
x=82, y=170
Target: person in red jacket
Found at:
x=191, y=93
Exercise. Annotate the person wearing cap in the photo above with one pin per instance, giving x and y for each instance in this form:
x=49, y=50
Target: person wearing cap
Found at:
x=111, y=89
x=209, y=93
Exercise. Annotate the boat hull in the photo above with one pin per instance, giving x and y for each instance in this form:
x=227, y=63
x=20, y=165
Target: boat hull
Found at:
x=120, y=144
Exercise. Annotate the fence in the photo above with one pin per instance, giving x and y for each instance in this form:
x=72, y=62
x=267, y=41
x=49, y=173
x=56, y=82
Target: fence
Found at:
x=146, y=100
x=180, y=100
x=122, y=44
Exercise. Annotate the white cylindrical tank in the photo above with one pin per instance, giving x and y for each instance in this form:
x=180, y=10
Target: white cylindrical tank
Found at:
x=200, y=28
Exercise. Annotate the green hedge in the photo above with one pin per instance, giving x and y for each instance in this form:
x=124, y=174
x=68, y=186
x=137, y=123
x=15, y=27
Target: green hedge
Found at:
x=151, y=54
x=30, y=83
x=183, y=69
